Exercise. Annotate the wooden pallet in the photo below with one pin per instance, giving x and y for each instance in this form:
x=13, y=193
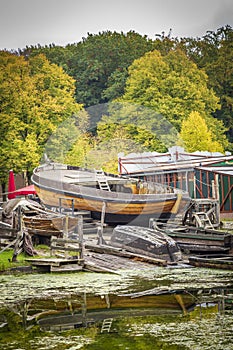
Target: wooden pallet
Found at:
x=57, y=265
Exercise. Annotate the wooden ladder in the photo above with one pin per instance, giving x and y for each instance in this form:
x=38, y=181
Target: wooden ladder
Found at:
x=101, y=178
x=106, y=326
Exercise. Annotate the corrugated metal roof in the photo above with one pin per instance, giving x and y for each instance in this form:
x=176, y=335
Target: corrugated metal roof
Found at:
x=179, y=165
x=222, y=169
x=176, y=159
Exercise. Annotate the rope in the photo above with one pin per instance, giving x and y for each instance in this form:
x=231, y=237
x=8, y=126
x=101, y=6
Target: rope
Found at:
x=203, y=183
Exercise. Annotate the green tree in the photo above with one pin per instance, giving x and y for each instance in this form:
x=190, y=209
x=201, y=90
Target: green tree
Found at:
x=214, y=53
x=78, y=153
x=105, y=152
x=142, y=138
x=69, y=140
x=35, y=97
x=173, y=86
x=195, y=135
x=220, y=72
x=98, y=63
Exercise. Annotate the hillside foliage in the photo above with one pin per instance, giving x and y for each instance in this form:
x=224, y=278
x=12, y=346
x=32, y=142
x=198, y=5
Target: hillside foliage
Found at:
x=155, y=90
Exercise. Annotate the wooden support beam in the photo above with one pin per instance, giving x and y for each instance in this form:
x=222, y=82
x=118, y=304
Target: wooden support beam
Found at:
x=180, y=301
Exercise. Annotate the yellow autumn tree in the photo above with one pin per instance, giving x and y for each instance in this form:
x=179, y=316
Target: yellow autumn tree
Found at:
x=35, y=97
x=195, y=135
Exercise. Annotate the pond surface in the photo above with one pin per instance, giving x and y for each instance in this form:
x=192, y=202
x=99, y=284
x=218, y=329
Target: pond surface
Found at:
x=207, y=327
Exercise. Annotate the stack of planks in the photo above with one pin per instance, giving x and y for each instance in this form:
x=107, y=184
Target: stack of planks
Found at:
x=48, y=225
x=104, y=262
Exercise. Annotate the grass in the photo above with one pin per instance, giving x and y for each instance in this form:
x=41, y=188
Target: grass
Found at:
x=6, y=257
x=6, y=260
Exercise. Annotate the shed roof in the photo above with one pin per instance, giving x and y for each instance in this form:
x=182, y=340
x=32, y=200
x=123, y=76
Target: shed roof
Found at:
x=174, y=160
x=221, y=170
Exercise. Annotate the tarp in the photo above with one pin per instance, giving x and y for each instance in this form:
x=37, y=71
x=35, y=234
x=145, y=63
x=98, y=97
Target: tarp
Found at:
x=25, y=191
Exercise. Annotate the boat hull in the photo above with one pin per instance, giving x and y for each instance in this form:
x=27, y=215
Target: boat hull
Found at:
x=115, y=212
x=116, y=207
x=225, y=263
x=145, y=241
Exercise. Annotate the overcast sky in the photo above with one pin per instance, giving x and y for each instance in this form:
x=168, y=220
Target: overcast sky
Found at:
x=29, y=22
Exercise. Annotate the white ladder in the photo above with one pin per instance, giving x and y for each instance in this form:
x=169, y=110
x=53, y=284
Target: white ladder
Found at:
x=106, y=326
x=101, y=178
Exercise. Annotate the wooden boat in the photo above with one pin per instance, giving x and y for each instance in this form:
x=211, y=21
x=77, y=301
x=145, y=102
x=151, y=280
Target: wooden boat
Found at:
x=119, y=199
x=145, y=241
x=197, y=240
x=222, y=262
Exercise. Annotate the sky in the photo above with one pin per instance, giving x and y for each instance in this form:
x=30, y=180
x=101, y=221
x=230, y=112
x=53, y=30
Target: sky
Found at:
x=31, y=22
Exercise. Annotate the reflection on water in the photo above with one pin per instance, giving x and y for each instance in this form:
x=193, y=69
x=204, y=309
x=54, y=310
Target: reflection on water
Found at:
x=194, y=332
x=207, y=327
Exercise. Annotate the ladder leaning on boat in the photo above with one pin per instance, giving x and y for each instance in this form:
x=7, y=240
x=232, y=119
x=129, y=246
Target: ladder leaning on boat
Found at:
x=101, y=178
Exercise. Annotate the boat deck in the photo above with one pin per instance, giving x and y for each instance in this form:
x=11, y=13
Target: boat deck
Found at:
x=76, y=176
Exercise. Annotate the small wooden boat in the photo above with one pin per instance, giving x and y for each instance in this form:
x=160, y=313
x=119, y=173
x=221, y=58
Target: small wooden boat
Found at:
x=222, y=262
x=145, y=241
x=119, y=199
x=197, y=240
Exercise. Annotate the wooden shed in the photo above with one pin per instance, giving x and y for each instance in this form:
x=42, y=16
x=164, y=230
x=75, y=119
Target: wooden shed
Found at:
x=202, y=174
x=216, y=181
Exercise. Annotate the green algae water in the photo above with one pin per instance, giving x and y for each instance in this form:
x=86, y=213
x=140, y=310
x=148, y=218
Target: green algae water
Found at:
x=207, y=326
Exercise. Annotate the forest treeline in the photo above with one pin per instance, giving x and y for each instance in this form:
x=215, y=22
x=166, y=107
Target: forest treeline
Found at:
x=187, y=81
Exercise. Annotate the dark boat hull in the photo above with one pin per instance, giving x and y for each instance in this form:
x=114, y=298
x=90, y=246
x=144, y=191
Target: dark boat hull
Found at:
x=224, y=263
x=140, y=220
x=145, y=241
x=198, y=240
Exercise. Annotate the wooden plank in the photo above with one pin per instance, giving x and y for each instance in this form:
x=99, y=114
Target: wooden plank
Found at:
x=91, y=266
x=52, y=260
x=43, y=232
x=124, y=253
x=64, y=240
x=196, y=236
x=67, y=268
x=9, y=245
x=202, y=248
x=211, y=262
x=68, y=249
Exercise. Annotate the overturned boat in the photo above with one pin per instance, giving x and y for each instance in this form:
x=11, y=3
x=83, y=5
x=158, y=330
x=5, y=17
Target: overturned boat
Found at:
x=118, y=199
x=145, y=241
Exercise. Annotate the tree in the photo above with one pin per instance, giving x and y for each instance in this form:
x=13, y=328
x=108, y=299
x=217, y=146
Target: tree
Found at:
x=214, y=54
x=137, y=136
x=105, y=152
x=98, y=63
x=220, y=72
x=35, y=97
x=172, y=86
x=69, y=140
x=195, y=135
x=81, y=148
